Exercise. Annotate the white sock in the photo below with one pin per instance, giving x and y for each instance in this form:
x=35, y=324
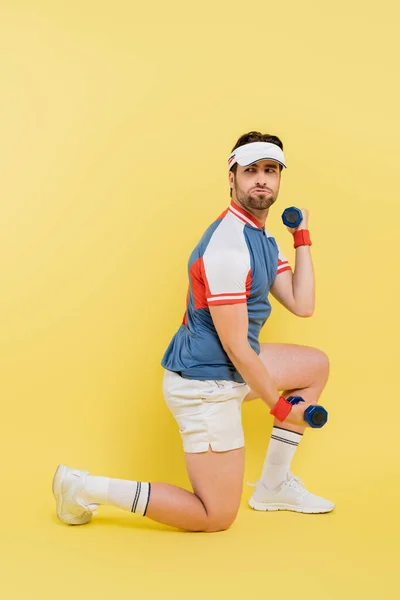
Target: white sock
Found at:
x=128, y=495
x=281, y=449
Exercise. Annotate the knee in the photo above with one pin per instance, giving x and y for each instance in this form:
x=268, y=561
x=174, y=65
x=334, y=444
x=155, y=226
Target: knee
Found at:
x=322, y=363
x=219, y=523
x=215, y=526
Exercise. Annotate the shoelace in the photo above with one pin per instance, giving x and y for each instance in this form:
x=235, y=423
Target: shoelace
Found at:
x=296, y=479
x=294, y=482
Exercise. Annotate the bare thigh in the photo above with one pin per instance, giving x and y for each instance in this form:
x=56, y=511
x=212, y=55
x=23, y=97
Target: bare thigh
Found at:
x=217, y=479
x=294, y=367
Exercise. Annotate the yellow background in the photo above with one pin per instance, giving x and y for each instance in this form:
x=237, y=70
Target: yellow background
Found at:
x=116, y=121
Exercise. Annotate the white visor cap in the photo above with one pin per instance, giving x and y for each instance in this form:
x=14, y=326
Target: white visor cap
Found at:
x=251, y=153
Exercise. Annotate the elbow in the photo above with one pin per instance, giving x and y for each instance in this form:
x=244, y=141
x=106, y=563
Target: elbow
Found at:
x=305, y=313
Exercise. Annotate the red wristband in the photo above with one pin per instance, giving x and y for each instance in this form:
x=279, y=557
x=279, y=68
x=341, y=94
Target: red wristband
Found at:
x=281, y=409
x=302, y=238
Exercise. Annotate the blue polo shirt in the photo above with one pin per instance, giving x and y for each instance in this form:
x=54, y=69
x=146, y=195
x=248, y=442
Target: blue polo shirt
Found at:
x=236, y=261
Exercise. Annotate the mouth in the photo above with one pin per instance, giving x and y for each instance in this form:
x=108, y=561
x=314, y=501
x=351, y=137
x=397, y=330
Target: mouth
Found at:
x=261, y=191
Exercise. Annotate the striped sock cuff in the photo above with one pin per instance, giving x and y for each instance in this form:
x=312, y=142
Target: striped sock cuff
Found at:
x=287, y=437
x=141, y=499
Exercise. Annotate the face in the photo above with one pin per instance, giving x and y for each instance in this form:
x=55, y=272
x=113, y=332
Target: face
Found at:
x=256, y=187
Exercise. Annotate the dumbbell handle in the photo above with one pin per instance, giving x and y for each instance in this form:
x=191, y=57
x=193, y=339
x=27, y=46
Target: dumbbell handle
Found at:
x=315, y=415
x=292, y=217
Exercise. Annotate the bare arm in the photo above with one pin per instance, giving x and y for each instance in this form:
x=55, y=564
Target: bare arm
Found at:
x=296, y=291
x=231, y=323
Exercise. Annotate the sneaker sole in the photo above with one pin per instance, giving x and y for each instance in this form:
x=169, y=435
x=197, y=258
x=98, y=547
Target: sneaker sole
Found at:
x=273, y=507
x=58, y=479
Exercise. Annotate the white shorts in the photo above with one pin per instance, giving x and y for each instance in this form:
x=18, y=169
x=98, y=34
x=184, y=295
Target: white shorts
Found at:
x=209, y=413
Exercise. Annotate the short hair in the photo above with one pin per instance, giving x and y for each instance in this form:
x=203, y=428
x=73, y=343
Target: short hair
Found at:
x=255, y=136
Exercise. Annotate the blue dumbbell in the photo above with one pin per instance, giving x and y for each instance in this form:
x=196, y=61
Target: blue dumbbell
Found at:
x=316, y=416
x=292, y=216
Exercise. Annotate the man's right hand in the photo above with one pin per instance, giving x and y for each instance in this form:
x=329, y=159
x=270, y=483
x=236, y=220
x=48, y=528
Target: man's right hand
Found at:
x=296, y=415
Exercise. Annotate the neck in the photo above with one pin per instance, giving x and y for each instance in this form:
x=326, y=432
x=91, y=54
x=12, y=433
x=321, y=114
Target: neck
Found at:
x=260, y=215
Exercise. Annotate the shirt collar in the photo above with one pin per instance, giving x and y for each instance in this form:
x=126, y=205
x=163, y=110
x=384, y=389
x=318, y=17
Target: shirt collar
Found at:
x=243, y=215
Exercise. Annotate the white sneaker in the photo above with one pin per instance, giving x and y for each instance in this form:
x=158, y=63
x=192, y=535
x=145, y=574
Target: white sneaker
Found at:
x=290, y=495
x=67, y=483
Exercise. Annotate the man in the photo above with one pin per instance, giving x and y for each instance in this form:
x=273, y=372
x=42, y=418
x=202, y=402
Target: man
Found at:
x=215, y=362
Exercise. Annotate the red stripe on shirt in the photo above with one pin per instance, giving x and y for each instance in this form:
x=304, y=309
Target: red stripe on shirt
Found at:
x=198, y=285
x=282, y=270
x=232, y=301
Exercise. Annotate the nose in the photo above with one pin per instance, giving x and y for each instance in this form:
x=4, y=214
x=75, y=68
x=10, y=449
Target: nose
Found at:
x=261, y=180
x=261, y=183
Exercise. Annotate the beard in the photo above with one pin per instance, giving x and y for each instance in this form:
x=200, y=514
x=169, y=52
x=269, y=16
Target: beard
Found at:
x=256, y=200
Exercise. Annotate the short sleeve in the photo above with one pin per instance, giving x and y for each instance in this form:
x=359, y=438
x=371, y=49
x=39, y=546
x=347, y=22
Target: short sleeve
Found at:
x=283, y=263
x=226, y=271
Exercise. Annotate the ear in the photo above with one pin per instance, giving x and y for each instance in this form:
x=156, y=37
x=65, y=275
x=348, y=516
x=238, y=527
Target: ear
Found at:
x=231, y=179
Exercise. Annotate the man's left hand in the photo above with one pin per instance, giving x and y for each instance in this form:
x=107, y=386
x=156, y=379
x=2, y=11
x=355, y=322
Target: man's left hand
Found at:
x=303, y=224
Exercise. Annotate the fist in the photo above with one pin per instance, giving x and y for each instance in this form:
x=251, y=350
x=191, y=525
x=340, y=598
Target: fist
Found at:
x=304, y=222
x=296, y=415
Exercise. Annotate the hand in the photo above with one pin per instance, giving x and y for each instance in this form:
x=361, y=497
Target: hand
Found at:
x=296, y=415
x=303, y=224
